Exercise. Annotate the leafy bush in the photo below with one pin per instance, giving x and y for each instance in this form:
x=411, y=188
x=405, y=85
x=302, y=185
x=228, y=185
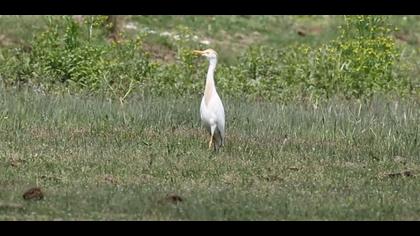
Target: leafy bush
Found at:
x=185, y=76
x=361, y=61
x=79, y=57
x=62, y=55
x=368, y=55
x=129, y=66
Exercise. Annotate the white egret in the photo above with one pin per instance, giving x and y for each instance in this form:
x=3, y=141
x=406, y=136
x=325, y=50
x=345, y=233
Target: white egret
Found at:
x=212, y=112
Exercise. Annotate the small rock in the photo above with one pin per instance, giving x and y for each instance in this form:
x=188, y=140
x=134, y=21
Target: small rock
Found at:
x=33, y=194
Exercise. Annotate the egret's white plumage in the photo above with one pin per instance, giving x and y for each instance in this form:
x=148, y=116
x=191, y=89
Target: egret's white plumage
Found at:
x=212, y=112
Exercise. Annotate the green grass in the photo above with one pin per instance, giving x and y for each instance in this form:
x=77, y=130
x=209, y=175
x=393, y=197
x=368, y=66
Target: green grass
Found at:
x=95, y=159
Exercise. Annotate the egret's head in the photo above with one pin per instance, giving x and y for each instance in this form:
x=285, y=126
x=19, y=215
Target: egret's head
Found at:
x=210, y=54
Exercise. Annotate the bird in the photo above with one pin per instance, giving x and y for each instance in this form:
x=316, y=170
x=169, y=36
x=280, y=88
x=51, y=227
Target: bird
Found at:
x=212, y=112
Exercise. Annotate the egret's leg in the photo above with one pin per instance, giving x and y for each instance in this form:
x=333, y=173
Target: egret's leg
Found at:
x=211, y=141
x=216, y=143
x=213, y=127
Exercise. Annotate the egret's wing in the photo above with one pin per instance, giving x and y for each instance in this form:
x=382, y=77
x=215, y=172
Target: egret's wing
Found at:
x=220, y=114
x=221, y=118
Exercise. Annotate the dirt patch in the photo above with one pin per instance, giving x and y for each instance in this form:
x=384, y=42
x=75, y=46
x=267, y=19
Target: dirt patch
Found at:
x=235, y=43
x=6, y=41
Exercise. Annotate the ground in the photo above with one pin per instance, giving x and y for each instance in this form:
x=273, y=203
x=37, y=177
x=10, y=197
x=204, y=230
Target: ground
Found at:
x=77, y=157
x=148, y=160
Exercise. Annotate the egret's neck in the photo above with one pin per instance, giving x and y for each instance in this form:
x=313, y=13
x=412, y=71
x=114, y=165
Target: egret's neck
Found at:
x=210, y=88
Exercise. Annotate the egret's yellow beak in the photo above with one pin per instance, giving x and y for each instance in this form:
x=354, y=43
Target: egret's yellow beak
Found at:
x=198, y=52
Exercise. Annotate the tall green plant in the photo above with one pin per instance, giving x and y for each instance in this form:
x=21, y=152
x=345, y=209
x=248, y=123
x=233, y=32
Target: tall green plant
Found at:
x=368, y=54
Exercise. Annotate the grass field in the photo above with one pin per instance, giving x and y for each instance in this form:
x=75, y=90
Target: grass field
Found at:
x=97, y=160
x=147, y=159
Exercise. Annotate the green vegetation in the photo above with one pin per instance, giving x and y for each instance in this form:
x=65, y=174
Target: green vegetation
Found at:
x=322, y=118
x=361, y=59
